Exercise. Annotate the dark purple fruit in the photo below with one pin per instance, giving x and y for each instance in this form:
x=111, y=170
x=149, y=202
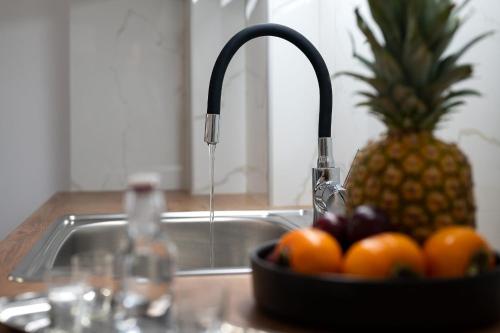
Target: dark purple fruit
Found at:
x=367, y=221
x=335, y=225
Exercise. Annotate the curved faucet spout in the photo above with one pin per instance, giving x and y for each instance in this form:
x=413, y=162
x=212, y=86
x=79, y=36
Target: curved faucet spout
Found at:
x=275, y=30
x=326, y=178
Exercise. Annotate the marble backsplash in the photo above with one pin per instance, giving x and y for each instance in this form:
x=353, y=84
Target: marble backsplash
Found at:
x=128, y=92
x=212, y=24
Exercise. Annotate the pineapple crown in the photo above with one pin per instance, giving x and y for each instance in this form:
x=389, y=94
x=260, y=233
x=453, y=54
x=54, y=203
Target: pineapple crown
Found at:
x=411, y=76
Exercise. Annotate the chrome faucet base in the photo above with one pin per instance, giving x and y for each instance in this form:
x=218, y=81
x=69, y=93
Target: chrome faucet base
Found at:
x=328, y=193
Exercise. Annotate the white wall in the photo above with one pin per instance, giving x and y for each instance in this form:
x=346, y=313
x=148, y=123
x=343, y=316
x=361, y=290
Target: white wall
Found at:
x=257, y=106
x=135, y=105
x=293, y=105
x=212, y=25
x=128, y=92
x=34, y=106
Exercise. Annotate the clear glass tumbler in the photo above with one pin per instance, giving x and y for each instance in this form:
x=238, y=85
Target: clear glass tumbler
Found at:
x=99, y=269
x=65, y=295
x=200, y=309
x=146, y=295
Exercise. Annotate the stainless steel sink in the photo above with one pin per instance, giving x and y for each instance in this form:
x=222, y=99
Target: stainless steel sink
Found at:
x=236, y=233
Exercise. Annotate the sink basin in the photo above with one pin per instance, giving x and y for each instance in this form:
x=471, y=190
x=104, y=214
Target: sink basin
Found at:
x=236, y=233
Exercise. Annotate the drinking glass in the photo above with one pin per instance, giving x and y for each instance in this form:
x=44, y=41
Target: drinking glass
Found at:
x=65, y=294
x=146, y=295
x=200, y=309
x=97, y=301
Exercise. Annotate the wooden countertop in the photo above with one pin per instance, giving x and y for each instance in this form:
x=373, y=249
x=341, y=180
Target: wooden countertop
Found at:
x=242, y=309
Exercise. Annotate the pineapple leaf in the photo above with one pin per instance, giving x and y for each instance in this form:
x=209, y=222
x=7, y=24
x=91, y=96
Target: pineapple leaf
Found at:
x=370, y=37
x=439, y=25
x=379, y=85
x=454, y=75
x=384, y=106
x=461, y=6
x=388, y=15
x=400, y=92
x=388, y=67
x=370, y=65
x=430, y=122
x=367, y=94
x=411, y=76
x=392, y=120
x=446, y=37
x=366, y=62
x=387, y=121
x=451, y=60
x=471, y=43
x=416, y=57
x=414, y=105
x=453, y=105
x=461, y=93
x=453, y=95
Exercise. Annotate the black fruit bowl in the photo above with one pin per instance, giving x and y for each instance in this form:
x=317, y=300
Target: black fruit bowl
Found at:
x=337, y=301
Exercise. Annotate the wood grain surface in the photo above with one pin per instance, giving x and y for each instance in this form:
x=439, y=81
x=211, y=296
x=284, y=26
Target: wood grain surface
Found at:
x=241, y=307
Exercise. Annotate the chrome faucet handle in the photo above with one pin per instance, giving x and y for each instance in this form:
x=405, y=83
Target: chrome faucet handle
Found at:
x=328, y=193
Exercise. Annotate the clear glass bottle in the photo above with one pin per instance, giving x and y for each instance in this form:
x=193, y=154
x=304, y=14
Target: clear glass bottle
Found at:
x=149, y=266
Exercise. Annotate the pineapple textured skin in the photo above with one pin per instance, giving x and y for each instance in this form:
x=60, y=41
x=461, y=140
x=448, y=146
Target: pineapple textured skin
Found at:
x=421, y=183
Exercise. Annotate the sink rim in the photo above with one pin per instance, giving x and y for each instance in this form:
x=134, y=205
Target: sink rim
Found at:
x=45, y=250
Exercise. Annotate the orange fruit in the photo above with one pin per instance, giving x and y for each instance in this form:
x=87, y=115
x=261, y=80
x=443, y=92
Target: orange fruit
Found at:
x=310, y=251
x=457, y=251
x=385, y=255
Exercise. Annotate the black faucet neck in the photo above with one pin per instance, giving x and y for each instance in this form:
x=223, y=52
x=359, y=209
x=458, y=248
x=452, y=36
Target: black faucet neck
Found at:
x=276, y=30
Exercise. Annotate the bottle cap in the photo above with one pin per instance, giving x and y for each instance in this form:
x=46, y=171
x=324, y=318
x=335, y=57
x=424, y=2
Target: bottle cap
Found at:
x=144, y=181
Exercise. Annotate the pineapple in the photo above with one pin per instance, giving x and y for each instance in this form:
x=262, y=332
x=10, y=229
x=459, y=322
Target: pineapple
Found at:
x=421, y=182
